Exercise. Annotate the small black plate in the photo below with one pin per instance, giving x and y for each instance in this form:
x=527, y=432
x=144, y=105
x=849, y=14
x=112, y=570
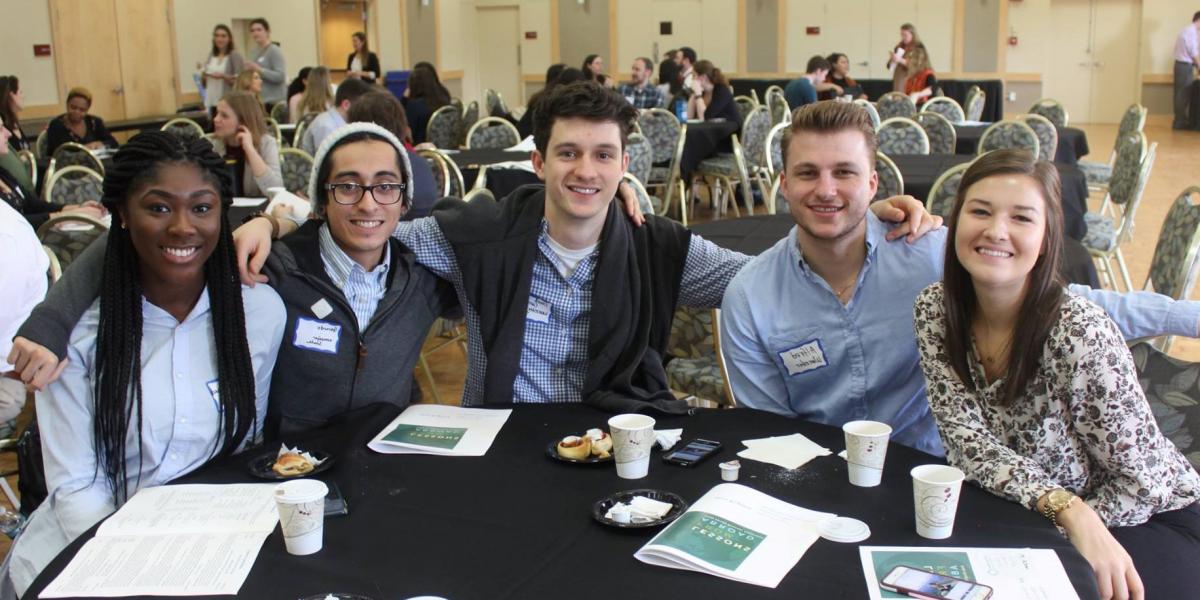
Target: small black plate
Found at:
x=552, y=452
x=260, y=466
x=600, y=508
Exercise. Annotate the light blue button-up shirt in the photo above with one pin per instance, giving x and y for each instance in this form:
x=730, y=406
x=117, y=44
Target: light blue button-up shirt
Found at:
x=180, y=418
x=363, y=289
x=793, y=348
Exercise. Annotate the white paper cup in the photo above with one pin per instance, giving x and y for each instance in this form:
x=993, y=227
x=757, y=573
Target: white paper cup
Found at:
x=301, y=506
x=866, y=449
x=935, y=499
x=633, y=436
x=729, y=470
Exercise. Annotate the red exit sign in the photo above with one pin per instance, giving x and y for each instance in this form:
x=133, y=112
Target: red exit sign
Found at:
x=41, y=49
x=531, y=35
x=812, y=30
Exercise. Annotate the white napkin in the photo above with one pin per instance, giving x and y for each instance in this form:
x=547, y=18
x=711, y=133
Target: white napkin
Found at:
x=639, y=509
x=788, y=451
x=298, y=208
x=523, y=165
x=667, y=437
x=283, y=449
x=525, y=145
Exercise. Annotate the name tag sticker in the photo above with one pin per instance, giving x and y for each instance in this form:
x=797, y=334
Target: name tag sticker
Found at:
x=214, y=392
x=804, y=358
x=321, y=336
x=321, y=308
x=539, y=310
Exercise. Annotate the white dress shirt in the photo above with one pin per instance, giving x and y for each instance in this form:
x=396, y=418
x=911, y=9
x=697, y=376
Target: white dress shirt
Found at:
x=1186, y=44
x=22, y=276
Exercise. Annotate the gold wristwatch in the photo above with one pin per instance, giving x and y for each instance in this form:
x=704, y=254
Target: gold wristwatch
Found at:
x=1056, y=502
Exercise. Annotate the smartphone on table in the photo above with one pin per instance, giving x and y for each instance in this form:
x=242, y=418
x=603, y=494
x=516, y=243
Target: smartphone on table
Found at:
x=920, y=583
x=692, y=453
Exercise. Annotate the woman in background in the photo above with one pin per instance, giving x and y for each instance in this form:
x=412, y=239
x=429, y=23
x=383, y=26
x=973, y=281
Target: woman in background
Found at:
x=362, y=63
x=899, y=55
x=240, y=132
x=839, y=75
x=424, y=95
x=220, y=69
x=592, y=67
x=249, y=82
x=712, y=98
x=921, y=81
x=12, y=100
x=76, y=125
x=317, y=96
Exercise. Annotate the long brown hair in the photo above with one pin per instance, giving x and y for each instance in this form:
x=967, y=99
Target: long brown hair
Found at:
x=362, y=54
x=711, y=71
x=9, y=84
x=424, y=83
x=318, y=93
x=229, y=49
x=1042, y=303
x=250, y=113
x=918, y=60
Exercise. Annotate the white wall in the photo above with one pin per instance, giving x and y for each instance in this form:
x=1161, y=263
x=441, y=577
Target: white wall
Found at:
x=1162, y=20
x=37, y=75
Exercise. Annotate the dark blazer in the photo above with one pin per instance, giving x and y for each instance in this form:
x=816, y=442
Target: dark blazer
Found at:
x=57, y=133
x=371, y=65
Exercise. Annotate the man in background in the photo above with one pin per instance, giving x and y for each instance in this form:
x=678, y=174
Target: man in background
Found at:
x=335, y=116
x=1187, y=58
x=803, y=89
x=640, y=93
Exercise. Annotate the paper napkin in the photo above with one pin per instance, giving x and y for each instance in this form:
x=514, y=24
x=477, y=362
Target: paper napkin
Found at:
x=788, y=451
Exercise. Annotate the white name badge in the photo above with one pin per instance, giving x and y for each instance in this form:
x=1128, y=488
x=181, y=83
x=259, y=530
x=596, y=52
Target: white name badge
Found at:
x=804, y=358
x=321, y=336
x=539, y=310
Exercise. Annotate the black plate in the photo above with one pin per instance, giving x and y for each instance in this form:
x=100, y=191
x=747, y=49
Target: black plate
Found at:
x=552, y=452
x=601, y=507
x=260, y=466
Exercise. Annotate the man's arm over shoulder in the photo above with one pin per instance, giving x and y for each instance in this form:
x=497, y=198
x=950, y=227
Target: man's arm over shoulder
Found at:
x=707, y=272
x=1145, y=314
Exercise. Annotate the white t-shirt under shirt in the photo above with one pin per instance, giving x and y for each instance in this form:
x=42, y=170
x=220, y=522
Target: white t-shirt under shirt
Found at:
x=568, y=259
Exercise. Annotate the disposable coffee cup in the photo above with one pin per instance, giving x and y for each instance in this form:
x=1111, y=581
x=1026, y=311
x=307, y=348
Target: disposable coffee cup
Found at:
x=935, y=499
x=866, y=449
x=633, y=436
x=301, y=505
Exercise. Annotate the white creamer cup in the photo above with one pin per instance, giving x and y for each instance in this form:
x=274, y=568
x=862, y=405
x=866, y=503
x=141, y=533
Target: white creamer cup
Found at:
x=301, y=505
x=866, y=449
x=935, y=499
x=633, y=436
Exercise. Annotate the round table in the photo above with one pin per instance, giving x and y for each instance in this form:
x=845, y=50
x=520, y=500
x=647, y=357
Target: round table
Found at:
x=1072, y=142
x=517, y=524
x=501, y=182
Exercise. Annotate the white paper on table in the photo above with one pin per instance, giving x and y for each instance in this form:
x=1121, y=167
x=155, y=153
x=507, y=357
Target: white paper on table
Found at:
x=1013, y=573
x=247, y=202
x=441, y=430
x=298, y=207
x=973, y=123
x=787, y=451
x=523, y=165
x=196, y=508
x=776, y=534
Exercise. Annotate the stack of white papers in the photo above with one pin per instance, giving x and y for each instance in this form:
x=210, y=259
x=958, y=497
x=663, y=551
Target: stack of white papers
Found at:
x=177, y=540
x=787, y=451
x=737, y=533
x=1012, y=573
x=441, y=430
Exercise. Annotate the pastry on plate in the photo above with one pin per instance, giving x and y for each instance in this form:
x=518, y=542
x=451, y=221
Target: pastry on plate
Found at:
x=575, y=447
x=601, y=443
x=291, y=464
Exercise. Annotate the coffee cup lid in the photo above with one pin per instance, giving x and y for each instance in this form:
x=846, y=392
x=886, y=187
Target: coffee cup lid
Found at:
x=301, y=490
x=844, y=530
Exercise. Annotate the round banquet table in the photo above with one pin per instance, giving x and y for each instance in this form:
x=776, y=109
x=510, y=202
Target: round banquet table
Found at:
x=517, y=524
x=500, y=182
x=1072, y=142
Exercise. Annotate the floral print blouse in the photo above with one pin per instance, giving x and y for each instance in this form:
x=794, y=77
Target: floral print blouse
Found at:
x=1083, y=425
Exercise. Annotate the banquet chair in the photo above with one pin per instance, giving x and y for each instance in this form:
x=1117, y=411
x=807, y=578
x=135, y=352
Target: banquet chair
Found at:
x=641, y=157
x=279, y=112
x=457, y=102
x=902, y=135
x=1174, y=266
x=479, y=193
x=1052, y=109
x=1008, y=135
x=976, y=101
x=944, y=189
x=895, y=104
x=891, y=182
x=29, y=159
x=745, y=104
x=774, y=154
x=68, y=235
x=1106, y=233
x=184, y=128
x=648, y=204
x=871, y=111
x=301, y=127
x=72, y=154
x=443, y=128
x=1098, y=173
x=777, y=197
x=755, y=128
x=675, y=187
x=296, y=166
x=470, y=115
x=941, y=133
x=721, y=171
x=696, y=366
x=41, y=147
x=441, y=175
x=947, y=107
x=1172, y=390
x=274, y=131
x=663, y=130
x=495, y=104
x=447, y=332
x=211, y=137
x=778, y=105
x=1047, y=135
x=74, y=185
x=54, y=271
x=495, y=133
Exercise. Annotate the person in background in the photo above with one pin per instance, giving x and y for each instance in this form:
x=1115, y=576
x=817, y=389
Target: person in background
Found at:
x=1187, y=60
x=921, y=81
x=296, y=87
x=424, y=95
x=76, y=125
x=687, y=66
x=22, y=286
x=362, y=63
x=566, y=76
x=220, y=68
x=712, y=98
x=525, y=123
x=383, y=109
x=17, y=190
x=593, y=67
x=249, y=82
x=1036, y=395
x=241, y=138
x=668, y=77
x=839, y=80
x=12, y=100
x=335, y=116
x=267, y=60
x=170, y=368
x=317, y=97
x=898, y=60
x=803, y=90
x=640, y=93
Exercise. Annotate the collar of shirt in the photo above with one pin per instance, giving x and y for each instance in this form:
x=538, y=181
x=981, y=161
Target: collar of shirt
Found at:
x=157, y=314
x=875, y=235
x=582, y=270
x=340, y=267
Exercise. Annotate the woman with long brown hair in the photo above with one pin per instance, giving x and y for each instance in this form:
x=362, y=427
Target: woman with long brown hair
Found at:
x=241, y=138
x=317, y=96
x=362, y=63
x=712, y=97
x=220, y=68
x=424, y=95
x=921, y=82
x=899, y=56
x=1035, y=393
x=11, y=103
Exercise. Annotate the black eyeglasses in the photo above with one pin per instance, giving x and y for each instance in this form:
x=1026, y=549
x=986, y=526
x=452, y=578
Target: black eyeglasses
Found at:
x=352, y=193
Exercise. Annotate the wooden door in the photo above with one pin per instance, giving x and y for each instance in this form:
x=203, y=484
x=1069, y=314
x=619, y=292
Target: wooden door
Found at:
x=498, y=29
x=1069, y=74
x=87, y=53
x=147, y=58
x=1115, y=61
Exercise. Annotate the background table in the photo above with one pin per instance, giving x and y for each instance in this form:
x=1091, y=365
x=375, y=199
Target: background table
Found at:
x=500, y=182
x=517, y=524
x=993, y=109
x=1072, y=142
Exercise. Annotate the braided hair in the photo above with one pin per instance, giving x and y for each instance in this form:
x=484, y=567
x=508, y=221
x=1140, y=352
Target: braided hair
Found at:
x=118, y=395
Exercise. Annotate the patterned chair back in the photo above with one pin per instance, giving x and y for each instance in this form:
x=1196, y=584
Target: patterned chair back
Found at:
x=674, y=180
x=895, y=104
x=1137, y=193
x=492, y=132
x=296, y=166
x=1173, y=269
x=71, y=154
x=184, y=128
x=1133, y=119
x=662, y=129
x=68, y=235
x=1047, y=135
x=871, y=110
x=942, y=136
x=443, y=128
x=976, y=100
x=745, y=104
x=279, y=112
x=742, y=164
x=42, y=145
x=644, y=201
x=1131, y=154
x=781, y=205
x=696, y=369
x=495, y=103
x=469, y=116
x=947, y=107
x=441, y=176
x=778, y=105
x=1172, y=390
x=941, y=195
x=1052, y=109
x=74, y=185
x=691, y=333
x=274, y=131
x=641, y=157
x=775, y=149
x=901, y=135
x=30, y=161
x=755, y=128
x=891, y=182
x=1008, y=135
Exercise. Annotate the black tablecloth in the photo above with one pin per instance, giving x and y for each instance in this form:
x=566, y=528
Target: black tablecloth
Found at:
x=517, y=524
x=704, y=139
x=993, y=108
x=138, y=124
x=499, y=181
x=1072, y=142
x=1194, y=106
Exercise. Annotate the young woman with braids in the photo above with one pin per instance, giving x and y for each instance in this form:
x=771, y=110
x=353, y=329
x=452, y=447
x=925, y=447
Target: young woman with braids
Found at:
x=170, y=368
